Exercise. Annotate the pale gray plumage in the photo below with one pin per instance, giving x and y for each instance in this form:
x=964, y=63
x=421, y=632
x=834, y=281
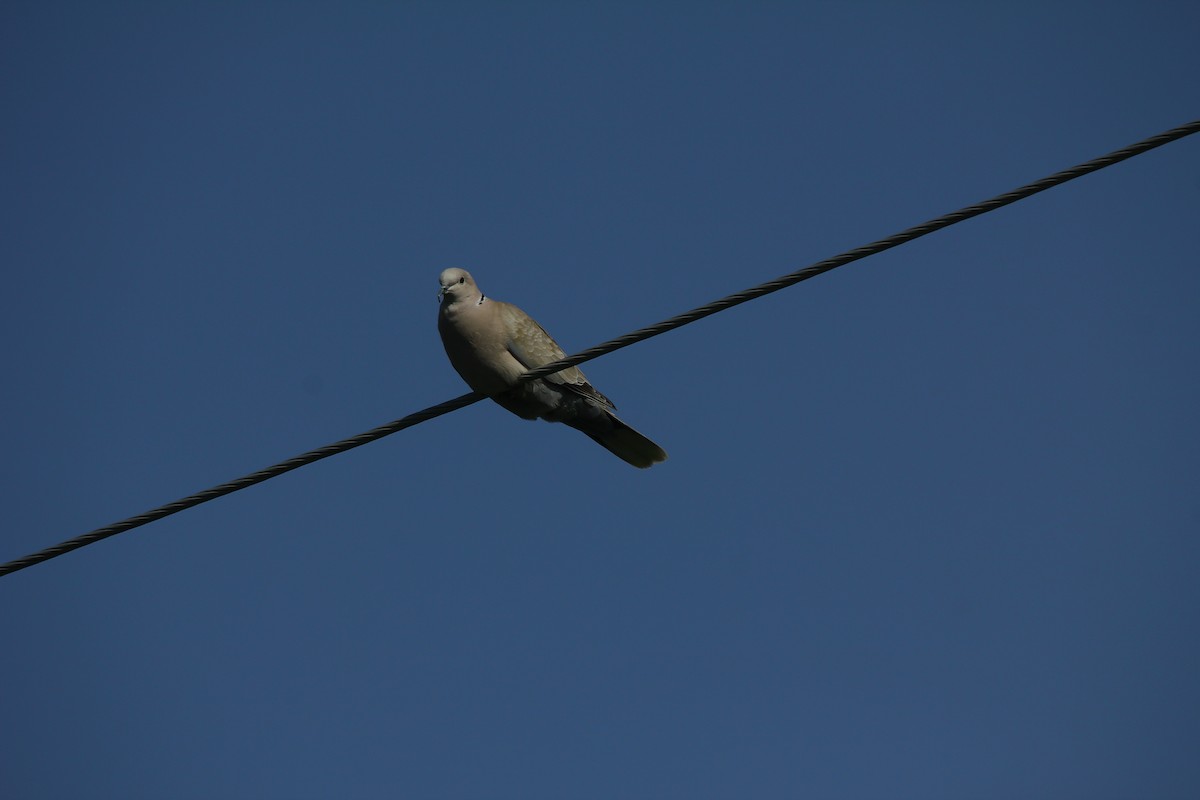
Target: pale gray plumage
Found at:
x=490, y=343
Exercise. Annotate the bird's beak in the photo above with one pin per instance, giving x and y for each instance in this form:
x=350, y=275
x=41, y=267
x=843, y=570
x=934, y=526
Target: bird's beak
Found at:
x=442, y=292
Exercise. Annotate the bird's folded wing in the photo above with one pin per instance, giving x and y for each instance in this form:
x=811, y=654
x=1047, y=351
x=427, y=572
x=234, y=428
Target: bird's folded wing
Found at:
x=529, y=344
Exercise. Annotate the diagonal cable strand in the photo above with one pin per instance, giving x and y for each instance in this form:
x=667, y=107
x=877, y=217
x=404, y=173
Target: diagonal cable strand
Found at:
x=879, y=246
x=642, y=334
x=241, y=483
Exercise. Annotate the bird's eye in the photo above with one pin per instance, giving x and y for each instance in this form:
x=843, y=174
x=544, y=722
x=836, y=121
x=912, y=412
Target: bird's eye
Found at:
x=462, y=280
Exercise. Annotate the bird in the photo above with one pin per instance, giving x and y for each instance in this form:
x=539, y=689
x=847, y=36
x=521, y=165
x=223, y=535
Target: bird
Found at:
x=490, y=343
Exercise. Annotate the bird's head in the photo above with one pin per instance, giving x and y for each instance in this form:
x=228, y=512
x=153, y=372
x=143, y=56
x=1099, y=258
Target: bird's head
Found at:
x=456, y=284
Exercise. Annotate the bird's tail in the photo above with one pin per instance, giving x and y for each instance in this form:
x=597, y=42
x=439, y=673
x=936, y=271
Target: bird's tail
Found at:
x=623, y=441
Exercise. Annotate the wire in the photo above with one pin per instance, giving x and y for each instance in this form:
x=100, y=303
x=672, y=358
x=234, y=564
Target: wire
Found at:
x=879, y=246
x=240, y=483
x=607, y=347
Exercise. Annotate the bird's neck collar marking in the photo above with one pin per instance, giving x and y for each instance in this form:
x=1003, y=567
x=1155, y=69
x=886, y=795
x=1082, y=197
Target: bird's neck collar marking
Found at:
x=481, y=299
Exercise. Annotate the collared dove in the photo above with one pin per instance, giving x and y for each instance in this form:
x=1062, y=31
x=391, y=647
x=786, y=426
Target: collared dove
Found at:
x=491, y=343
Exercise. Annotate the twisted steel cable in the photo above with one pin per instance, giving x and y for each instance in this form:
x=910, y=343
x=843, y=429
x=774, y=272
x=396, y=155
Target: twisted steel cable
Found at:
x=604, y=348
x=879, y=246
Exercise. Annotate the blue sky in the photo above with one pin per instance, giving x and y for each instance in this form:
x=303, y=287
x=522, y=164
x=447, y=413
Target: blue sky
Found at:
x=929, y=524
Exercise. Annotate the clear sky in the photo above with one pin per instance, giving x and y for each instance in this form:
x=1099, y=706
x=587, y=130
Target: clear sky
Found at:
x=929, y=527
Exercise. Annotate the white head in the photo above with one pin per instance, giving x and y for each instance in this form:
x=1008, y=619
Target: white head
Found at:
x=455, y=285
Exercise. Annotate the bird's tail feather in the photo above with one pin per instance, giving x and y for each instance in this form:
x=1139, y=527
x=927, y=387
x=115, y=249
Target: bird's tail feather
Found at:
x=624, y=442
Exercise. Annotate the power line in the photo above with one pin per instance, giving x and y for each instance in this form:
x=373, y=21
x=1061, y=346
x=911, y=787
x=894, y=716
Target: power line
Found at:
x=879, y=246
x=607, y=347
x=240, y=483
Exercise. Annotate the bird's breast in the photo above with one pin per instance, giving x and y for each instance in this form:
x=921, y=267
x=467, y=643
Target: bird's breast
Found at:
x=478, y=353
